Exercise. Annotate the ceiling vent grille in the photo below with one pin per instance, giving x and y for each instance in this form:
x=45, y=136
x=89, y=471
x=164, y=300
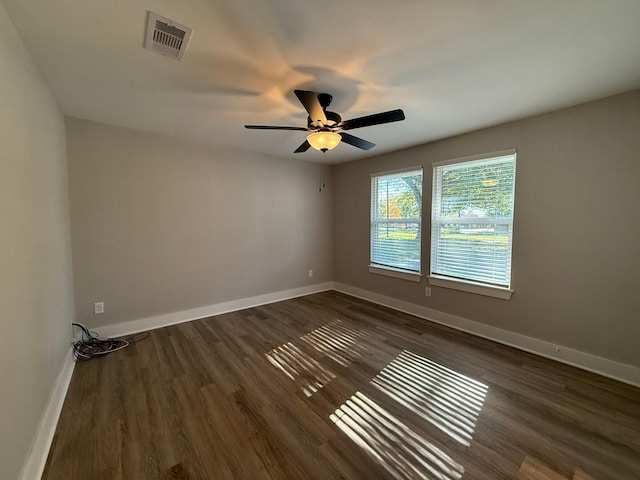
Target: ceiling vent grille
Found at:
x=166, y=36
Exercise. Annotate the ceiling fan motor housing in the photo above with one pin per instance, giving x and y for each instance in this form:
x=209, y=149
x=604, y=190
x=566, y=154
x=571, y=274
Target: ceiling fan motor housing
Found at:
x=324, y=99
x=333, y=119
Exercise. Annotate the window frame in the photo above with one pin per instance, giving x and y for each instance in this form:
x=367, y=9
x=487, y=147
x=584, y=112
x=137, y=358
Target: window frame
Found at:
x=389, y=270
x=470, y=285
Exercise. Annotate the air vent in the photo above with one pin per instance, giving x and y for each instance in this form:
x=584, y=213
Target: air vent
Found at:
x=166, y=36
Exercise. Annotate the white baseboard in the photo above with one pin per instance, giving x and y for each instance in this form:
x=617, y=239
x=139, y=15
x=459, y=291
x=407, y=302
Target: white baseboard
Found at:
x=586, y=361
x=149, y=323
x=34, y=467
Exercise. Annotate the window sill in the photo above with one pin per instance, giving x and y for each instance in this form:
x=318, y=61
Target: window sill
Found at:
x=395, y=273
x=478, y=289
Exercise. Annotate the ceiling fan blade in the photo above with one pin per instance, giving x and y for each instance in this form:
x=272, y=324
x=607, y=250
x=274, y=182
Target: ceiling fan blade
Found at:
x=356, y=141
x=375, y=119
x=303, y=148
x=272, y=127
x=309, y=101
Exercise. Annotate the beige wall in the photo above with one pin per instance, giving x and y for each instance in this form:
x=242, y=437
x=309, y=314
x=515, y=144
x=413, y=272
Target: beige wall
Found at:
x=576, y=258
x=160, y=225
x=36, y=300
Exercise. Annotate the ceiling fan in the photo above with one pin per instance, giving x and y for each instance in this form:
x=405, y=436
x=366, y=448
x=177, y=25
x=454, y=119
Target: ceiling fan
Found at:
x=328, y=128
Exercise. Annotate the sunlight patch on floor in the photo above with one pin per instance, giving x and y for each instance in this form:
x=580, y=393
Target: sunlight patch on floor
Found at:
x=401, y=451
x=445, y=398
x=299, y=367
x=338, y=342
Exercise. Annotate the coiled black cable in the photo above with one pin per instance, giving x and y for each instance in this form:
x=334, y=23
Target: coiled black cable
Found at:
x=91, y=345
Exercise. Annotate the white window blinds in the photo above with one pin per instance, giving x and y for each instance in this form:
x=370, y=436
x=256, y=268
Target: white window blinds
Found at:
x=396, y=218
x=472, y=219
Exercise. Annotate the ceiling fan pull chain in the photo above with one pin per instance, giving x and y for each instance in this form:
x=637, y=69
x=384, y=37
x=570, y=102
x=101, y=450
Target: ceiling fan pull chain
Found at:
x=322, y=169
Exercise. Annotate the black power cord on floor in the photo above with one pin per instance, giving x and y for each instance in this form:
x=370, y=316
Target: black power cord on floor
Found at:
x=92, y=346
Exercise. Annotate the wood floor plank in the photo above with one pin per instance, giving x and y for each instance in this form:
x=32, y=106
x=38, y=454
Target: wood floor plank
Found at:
x=140, y=460
x=330, y=386
x=579, y=474
x=231, y=434
x=533, y=469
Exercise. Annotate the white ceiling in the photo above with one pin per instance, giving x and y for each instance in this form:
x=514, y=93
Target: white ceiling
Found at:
x=452, y=66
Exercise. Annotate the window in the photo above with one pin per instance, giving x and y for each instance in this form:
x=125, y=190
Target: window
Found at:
x=472, y=223
x=396, y=219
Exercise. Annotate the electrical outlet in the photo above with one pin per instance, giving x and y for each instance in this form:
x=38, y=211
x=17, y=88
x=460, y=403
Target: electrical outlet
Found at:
x=98, y=307
x=310, y=273
x=427, y=291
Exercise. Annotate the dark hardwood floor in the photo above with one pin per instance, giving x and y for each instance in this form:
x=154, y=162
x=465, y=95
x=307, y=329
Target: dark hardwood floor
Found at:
x=328, y=386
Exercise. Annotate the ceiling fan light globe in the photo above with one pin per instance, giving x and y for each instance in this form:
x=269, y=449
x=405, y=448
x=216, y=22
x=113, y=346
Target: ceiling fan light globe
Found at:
x=324, y=141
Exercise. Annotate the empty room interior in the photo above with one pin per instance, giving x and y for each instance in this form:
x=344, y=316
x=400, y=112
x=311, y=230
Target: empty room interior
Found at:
x=320, y=240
